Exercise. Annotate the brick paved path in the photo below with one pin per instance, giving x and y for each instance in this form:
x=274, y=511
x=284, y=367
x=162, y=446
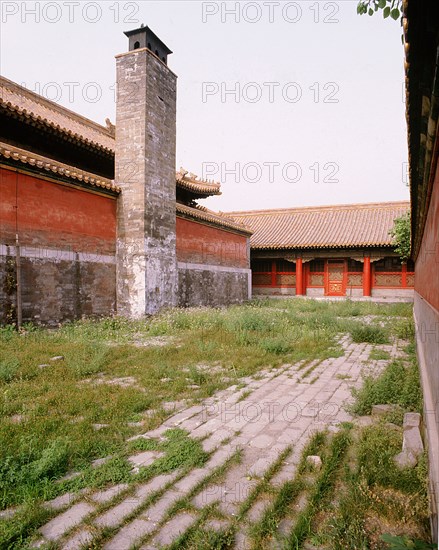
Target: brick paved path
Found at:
x=273, y=412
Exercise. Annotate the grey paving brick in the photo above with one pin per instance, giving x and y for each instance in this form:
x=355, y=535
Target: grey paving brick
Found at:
x=173, y=529
x=217, y=525
x=114, y=516
x=189, y=482
x=72, y=517
x=256, y=511
x=141, y=460
x=219, y=457
x=60, y=502
x=262, y=441
x=78, y=540
x=210, y=494
x=102, y=497
x=130, y=534
x=157, y=511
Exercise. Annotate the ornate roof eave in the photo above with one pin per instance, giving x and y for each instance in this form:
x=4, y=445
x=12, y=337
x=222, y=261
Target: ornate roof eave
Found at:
x=41, y=165
x=422, y=111
x=29, y=116
x=318, y=246
x=217, y=219
x=190, y=182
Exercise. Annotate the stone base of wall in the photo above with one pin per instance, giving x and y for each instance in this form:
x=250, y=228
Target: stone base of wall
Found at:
x=398, y=294
x=56, y=285
x=270, y=291
x=210, y=285
x=315, y=292
x=354, y=292
x=427, y=345
x=381, y=294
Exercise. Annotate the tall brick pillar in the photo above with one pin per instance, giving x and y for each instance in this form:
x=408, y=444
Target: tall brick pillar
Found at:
x=145, y=171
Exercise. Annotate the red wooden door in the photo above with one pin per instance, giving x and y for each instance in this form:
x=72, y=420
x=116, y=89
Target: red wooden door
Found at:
x=336, y=278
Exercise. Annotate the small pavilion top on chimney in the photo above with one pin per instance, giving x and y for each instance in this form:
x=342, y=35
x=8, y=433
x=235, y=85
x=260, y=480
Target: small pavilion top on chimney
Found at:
x=143, y=37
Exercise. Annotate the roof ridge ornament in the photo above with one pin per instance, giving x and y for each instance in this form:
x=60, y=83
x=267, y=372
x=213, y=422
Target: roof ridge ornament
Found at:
x=184, y=174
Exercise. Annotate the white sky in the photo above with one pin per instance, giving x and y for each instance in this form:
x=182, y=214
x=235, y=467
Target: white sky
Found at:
x=356, y=146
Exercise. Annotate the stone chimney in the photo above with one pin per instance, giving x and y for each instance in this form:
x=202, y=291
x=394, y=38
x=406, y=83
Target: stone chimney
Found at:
x=146, y=265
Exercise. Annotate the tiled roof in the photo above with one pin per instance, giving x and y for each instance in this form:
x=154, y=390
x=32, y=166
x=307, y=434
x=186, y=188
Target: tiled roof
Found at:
x=191, y=182
x=421, y=40
x=30, y=105
x=352, y=225
x=26, y=103
x=53, y=167
x=216, y=218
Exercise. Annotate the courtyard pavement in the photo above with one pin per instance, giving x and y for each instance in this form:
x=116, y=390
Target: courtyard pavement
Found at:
x=272, y=413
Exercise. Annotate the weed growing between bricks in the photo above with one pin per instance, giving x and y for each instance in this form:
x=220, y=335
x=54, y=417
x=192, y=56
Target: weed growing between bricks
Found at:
x=266, y=528
x=374, y=497
x=117, y=376
x=398, y=384
x=184, y=502
x=180, y=452
x=325, y=483
x=263, y=485
x=268, y=525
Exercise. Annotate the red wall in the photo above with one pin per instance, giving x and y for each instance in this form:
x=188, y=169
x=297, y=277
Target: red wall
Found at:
x=427, y=262
x=55, y=216
x=203, y=244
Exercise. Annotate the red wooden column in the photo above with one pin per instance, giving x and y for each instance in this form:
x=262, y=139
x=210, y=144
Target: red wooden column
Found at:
x=404, y=275
x=305, y=272
x=366, y=276
x=273, y=273
x=299, y=277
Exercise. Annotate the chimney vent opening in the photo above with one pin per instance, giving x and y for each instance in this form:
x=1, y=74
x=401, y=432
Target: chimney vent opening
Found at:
x=144, y=37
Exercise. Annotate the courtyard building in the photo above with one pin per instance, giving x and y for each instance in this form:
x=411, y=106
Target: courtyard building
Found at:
x=332, y=251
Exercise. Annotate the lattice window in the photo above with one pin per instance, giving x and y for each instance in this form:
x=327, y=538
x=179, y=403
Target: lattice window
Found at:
x=410, y=279
x=355, y=279
x=388, y=279
x=316, y=279
x=261, y=279
x=285, y=280
x=336, y=272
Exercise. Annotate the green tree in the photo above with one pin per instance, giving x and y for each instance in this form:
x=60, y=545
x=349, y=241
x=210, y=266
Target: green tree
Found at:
x=401, y=234
x=392, y=8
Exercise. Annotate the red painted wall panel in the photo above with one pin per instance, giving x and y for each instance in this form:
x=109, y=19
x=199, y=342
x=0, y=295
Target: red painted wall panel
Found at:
x=427, y=262
x=203, y=244
x=52, y=215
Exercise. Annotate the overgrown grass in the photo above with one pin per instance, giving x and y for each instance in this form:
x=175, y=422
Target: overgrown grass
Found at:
x=322, y=489
x=180, y=451
x=374, y=497
x=398, y=384
x=379, y=355
x=116, y=372
x=371, y=334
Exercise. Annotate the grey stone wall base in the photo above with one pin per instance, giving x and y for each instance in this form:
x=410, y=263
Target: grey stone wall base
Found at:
x=211, y=286
x=54, y=291
x=427, y=346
